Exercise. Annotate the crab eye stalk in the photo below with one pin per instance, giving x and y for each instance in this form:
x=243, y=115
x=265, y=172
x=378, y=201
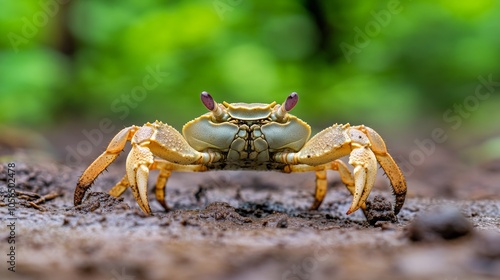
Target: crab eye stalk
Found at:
x=207, y=100
x=281, y=111
x=291, y=101
x=218, y=112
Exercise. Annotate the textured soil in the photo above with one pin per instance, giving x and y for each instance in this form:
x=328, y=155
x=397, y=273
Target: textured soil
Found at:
x=252, y=225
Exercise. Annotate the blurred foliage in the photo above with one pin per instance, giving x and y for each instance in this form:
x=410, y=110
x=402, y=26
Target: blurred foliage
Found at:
x=81, y=60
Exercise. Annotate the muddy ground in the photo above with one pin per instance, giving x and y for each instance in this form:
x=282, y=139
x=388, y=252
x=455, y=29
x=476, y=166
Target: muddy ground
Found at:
x=252, y=225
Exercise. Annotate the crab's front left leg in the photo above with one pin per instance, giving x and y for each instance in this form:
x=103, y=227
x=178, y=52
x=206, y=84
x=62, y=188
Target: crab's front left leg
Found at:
x=163, y=141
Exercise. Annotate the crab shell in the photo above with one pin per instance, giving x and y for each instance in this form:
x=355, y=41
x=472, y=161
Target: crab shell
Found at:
x=248, y=133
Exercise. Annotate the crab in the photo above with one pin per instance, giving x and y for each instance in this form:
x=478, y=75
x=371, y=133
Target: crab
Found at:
x=248, y=136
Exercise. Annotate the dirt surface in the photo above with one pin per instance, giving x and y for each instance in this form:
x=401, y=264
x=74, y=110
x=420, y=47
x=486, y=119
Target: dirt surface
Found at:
x=251, y=225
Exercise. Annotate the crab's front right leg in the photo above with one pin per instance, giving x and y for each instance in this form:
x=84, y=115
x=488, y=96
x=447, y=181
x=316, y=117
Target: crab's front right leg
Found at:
x=161, y=140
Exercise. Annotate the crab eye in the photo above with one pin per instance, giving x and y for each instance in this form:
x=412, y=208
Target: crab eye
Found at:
x=291, y=101
x=280, y=111
x=207, y=100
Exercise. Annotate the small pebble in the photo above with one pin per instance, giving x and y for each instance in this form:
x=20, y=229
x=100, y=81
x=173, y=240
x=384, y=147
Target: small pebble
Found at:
x=283, y=223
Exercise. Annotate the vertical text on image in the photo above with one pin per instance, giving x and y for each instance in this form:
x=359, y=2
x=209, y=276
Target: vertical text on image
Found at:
x=11, y=217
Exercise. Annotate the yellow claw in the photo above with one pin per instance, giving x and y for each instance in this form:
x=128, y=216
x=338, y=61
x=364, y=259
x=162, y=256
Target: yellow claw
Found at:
x=365, y=171
x=365, y=148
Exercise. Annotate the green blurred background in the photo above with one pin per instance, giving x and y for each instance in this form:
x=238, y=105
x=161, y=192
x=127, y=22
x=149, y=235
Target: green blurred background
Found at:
x=398, y=66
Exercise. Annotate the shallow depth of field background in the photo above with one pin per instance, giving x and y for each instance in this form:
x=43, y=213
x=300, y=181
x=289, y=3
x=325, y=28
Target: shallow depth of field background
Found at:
x=402, y=67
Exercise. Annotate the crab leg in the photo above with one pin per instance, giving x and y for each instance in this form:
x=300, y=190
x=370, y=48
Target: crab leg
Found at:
x=331, y=144
x=161, y=183
x=390, y=167
x=365, y=147
x=321, y=188
x=104, y=160
x=345, y=176
x=151, y=140
x=166, y=169
x=321, y=181
x=120, y=187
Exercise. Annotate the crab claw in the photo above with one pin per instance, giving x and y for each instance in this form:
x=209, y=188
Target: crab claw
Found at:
x=365, y=169
x=138, y=161
x=365, y=172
